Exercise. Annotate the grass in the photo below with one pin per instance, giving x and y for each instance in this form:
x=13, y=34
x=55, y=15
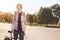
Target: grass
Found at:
x=6, y=22
x=44, y=25
x=35, y=24
x=39, y=25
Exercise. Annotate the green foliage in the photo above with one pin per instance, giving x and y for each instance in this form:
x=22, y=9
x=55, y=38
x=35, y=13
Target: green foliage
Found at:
x=56, y=8
x=6, y=17
x=30, y=18
x=45, y=15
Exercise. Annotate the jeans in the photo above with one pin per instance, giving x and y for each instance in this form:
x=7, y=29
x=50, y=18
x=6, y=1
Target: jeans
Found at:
x=21, y=35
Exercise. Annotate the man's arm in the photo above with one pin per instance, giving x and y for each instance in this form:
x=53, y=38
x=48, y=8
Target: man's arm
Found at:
x=24, y=27
x=13, y=20
x=12, y=26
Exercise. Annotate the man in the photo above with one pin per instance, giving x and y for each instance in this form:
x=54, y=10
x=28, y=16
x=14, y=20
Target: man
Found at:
x=19, y=23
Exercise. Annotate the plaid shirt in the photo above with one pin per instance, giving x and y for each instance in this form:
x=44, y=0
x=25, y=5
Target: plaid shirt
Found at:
x=15, y=20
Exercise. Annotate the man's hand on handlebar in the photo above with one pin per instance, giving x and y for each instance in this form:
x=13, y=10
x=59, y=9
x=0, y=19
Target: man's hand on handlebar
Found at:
x=12, y=30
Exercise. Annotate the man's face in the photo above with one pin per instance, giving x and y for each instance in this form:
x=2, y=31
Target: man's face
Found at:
x=19, y=8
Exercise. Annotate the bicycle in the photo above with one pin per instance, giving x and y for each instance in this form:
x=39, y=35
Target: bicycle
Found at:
x=11, y=38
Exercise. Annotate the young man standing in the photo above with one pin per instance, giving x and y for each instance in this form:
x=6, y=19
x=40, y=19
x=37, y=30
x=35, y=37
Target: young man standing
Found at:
x=19, y=23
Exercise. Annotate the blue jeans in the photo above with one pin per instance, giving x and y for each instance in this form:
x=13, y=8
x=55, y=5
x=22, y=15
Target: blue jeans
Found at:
x=21, y=35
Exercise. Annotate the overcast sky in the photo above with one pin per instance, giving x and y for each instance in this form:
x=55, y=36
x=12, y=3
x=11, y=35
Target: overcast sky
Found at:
x=30, y=6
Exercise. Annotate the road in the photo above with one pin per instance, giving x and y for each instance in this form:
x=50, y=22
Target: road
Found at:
x=33, y=33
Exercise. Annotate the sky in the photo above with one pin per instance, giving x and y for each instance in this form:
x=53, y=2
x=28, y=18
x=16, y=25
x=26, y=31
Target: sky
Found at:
x=29, y=6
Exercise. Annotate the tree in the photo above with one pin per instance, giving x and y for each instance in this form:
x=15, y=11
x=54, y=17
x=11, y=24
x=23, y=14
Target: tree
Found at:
x=38, y=17
x=56, y=10
x=6, y=17
x=30, y=19
x=45, y=16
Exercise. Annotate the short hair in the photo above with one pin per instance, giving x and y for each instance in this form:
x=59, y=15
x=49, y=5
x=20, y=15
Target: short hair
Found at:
x=19, y=5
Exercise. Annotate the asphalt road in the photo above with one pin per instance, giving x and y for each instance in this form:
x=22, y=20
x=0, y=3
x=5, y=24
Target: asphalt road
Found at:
x=33, y=33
